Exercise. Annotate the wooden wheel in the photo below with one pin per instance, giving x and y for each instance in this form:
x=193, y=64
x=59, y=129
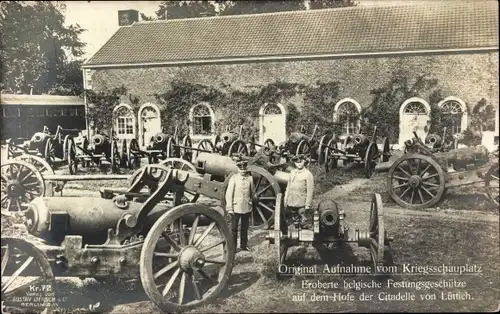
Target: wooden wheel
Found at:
x=331, y=161
x=416, y=181
x=303, y=148
x=268, y=147
x=70, y=153
x=186, y=153
x=24, y=266
x=172, y=150
x=43, y=168
x=280, y=233
x=21, y=183
x=378, y=234
x=218, y=145
x=49, y=152
x=180, y=271
x=206, y=145
x=124, y=162
x=386, y=150
x=264, y=199
x=492, y=184
x=133, y=157
x=238, y=147
x=181, y=164
x=320, y=152
x=115, y=157
x=371, y=156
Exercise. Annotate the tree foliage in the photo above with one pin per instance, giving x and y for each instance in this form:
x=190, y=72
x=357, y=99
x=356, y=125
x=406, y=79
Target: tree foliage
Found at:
x=329, y=4
x=101, y=105
x=255, y=7
x=35, y=46
x=383, y=111
x=170, y=10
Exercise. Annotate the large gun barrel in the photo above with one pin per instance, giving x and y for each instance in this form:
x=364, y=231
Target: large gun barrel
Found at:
x=229, y=137
x=360, y=140
x=160, y=138
x=99, y=140
x=221, y=166
x=52, y=218
x=328, y=214
x=39, y=137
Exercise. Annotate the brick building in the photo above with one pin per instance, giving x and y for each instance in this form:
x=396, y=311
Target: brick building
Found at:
x=456, y=42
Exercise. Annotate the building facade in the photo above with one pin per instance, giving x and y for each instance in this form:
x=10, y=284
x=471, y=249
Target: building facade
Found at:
x=360, y=47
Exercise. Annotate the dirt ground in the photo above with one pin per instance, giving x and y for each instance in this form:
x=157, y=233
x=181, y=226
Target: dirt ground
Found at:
x=461, y=230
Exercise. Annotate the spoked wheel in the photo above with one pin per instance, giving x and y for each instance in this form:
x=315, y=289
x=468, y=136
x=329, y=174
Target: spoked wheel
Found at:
x=180, y=272
x=49, y=152
x=386, y=150
x=173, y=150
x=379, y=242
x=24, y=267
x=115, y=157
x=320, y=152
x=124, y=162
x=304, y=148
x=70, y=153
x=43, y=168
x=264, y=199
x=206, y=145
x=187, y=153
x=269, y=143
x=133, y=157
x=181, y=164
x=331, y=161
x=238, y=147
x=21, y=183
x=492, y=184
x=416, y=181
x=218, y=145
x=371, y=157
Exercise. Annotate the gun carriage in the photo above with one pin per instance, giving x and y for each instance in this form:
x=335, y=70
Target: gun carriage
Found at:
x=356, y=148
x=420, y=177
x=329, y=227
x=183, y=254
x=103, y=152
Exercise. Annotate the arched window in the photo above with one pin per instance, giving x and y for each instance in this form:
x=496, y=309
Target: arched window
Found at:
x=457, y=111
x=347, y=113
x=202, y=120
x=124, y=120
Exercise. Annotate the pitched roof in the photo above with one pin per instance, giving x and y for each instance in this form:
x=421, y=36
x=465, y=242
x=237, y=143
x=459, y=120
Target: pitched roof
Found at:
x=435, y=26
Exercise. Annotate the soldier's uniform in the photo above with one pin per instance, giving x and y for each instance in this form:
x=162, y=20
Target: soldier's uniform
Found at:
x=239, y=203
x=299, y=193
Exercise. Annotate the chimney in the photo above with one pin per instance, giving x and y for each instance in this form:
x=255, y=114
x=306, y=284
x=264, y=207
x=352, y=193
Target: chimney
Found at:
x=127, y=17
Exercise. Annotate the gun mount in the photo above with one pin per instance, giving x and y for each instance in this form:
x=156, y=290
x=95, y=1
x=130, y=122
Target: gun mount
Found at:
x=150, y=240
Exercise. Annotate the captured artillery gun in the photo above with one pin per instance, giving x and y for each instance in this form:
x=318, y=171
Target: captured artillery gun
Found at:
x=419, y=178
x=103, y=152
x=183, y=254
x=329, y=227
x=356, y=148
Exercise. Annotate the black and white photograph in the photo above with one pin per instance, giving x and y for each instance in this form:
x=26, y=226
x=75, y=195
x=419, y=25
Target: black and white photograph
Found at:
x=299, y=156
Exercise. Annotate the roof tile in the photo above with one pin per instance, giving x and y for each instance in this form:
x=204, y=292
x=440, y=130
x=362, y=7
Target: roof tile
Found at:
x=450, y=25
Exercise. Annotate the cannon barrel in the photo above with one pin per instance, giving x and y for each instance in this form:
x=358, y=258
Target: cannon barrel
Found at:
x=99, y=140
x=360, y=140
x=160, y=138
x=459, y=158
x=328, y=214
x=229, y=137
x=221, y=166
x=39, y=137
x=52, y=218
x=296, y=137
x=433, y=139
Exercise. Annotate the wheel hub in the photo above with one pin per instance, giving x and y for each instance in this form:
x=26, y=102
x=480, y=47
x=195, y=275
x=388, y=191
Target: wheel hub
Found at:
x=14, y=188
x=415, y=181
x=190, y=258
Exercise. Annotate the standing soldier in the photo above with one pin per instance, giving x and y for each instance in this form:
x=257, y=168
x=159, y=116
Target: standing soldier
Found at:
x=239, y=202
x=299, y=191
